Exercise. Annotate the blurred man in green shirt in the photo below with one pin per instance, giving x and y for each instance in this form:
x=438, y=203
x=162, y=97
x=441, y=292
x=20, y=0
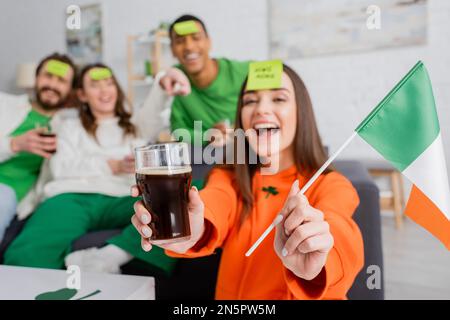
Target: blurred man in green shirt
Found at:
x=204, y=88
x=23, y=148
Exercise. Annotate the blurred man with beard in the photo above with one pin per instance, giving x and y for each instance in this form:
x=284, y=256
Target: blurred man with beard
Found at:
x=22, y=147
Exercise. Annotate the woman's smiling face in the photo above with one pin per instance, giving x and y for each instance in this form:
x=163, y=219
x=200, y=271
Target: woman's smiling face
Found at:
x=272, y=116
x=101, y=95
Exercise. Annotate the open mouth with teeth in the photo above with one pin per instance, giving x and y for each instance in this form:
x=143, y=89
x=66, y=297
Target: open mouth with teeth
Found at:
x=190, y=57
x=105, y=99
x=266, y=129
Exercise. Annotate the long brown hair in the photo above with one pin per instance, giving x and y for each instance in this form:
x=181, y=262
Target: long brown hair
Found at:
x=309, y=153
x=87, y=117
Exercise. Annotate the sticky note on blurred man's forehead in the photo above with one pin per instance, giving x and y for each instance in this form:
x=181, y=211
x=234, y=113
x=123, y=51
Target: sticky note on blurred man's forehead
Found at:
x=264, y=75
x=100, y=74
x=186, y=27
x=57, y=68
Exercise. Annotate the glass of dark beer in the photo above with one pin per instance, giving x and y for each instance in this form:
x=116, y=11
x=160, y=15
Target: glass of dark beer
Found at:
x=45, y=131
x=163, y=176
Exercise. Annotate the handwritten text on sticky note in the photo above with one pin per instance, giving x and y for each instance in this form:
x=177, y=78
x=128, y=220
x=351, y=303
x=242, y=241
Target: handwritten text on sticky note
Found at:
x=264, y=75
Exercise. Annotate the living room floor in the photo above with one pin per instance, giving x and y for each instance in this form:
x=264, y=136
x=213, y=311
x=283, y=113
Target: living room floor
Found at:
x=416, y=265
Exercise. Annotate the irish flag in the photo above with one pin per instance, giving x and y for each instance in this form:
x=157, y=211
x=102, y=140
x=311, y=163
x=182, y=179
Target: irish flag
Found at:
x=404, y=129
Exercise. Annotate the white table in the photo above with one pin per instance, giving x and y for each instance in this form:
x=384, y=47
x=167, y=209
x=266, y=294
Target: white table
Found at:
x=19, y=283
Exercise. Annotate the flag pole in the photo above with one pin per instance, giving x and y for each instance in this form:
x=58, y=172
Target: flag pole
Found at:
x=279, y=218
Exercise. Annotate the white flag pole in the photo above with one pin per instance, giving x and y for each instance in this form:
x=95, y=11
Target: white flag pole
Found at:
x=279, y=218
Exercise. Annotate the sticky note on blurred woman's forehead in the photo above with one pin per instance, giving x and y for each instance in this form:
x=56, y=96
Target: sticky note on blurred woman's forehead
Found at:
x=100, y=74
x=186, y=27
x=264, y=75
x=57, y=68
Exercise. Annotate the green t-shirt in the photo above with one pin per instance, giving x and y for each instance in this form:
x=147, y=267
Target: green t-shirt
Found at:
x=21, y=171
x=212, y=104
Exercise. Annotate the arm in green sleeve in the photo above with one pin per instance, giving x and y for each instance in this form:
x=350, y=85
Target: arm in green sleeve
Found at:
x=178, y=121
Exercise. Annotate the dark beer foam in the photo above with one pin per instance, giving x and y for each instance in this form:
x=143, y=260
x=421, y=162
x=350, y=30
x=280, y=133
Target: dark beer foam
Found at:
x=163, y=171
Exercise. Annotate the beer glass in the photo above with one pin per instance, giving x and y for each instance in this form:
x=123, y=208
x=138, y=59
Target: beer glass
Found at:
x=163, y=176
x=45, y=131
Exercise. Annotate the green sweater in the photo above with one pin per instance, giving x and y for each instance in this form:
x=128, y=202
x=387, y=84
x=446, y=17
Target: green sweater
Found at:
x=21, y=171
x=212, y=104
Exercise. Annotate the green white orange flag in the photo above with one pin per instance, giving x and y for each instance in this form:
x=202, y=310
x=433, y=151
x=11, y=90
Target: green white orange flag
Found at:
x=404, y=129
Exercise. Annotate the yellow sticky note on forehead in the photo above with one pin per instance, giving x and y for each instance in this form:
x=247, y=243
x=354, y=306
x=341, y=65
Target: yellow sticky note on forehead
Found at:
x=186, y=27
x=264, y=75
x=100, y=74
x=57, y=68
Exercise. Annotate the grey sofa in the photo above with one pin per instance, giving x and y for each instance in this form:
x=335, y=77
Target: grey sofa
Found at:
x=195, y=279
x=367, y=216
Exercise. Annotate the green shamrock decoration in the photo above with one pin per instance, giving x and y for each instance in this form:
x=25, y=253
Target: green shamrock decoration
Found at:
x=270, y=191
x=63, y=294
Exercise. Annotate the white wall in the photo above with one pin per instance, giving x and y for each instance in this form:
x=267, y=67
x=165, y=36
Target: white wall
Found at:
x=344, y=88
x=30, y=30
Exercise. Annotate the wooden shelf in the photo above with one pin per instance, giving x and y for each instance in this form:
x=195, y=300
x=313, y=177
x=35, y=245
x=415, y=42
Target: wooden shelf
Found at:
x=156, y=42
x=142, y=81
x=145, y=39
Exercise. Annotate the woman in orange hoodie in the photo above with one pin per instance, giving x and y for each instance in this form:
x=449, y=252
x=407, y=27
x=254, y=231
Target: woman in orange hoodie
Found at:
x=317, y=250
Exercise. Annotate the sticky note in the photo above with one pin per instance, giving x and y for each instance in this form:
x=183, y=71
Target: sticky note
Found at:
x=186, y=27
x=57, y=68
x=264, y=75
x=100, y=73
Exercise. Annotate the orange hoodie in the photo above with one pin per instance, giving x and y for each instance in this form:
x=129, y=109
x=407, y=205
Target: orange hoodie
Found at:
x=262, y=275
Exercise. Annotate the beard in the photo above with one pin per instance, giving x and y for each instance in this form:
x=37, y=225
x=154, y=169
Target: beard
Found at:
x=50, y=106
